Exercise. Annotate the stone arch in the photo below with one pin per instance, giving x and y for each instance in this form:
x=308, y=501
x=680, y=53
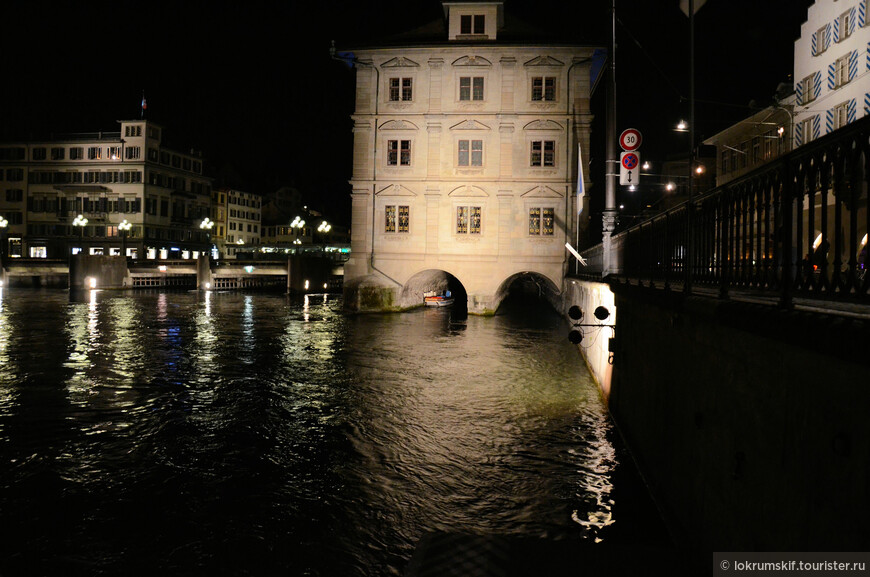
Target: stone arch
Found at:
x=411, y=294
x=529, y=284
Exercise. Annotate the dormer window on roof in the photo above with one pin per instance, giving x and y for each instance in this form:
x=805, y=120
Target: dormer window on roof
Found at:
x=473, y=20
x=472, y=24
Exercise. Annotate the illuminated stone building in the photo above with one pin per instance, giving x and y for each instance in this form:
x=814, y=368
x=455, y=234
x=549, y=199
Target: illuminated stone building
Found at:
x=107, y=178
x=465, y=158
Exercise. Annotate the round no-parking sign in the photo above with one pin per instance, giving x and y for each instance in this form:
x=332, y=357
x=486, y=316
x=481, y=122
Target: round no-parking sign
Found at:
x=630, y=160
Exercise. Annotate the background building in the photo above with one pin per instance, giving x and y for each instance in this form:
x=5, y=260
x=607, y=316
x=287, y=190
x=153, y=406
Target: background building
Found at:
x=237, y=217
x=107, y=178
x=831, y=68
x=754, y=141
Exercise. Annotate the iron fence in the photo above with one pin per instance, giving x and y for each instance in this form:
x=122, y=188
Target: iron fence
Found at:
x=795, y=226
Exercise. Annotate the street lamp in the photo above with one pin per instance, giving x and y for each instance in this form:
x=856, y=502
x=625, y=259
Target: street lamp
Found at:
x=324, y=229
x=124, y=227
x=297, y=223
x=81, y=222
x=3, y=224
x=207, y=225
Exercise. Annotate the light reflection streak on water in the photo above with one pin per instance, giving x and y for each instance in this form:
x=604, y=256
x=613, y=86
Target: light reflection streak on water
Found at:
x=206, y=349
x=82, y=328
x=7, y=377
x=599, y=460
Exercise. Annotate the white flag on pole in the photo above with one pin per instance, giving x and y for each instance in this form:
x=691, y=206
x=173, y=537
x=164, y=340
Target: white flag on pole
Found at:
x=684, y=6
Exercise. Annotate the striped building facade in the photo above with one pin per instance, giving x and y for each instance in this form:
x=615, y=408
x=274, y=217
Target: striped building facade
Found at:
x=831, y=68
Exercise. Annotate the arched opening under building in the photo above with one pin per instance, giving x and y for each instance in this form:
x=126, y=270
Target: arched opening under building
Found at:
x=526, y=289
x=439, y=282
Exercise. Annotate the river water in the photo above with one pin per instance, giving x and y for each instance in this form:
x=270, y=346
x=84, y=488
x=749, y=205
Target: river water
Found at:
x=185, y=433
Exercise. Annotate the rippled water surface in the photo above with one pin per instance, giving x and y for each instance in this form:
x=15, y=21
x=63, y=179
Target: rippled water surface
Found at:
x=181, y=433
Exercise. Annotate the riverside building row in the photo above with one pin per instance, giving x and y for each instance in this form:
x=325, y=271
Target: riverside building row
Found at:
x=117, y=193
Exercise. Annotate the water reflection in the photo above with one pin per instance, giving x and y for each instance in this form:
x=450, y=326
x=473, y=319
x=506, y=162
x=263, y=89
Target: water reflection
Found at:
x=188, y=433
x=7, y=377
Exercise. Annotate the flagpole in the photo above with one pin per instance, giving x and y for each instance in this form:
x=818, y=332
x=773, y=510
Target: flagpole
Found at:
x=690, y=207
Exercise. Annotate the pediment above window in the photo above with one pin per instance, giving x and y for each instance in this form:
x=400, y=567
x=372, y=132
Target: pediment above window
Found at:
x=395, y=190
x=398, y=125
x=543, y=125
x=468, y=190
x=472, y=60
x=544, y=61
x=541, y=191
x=470, y=125
x=399, y=62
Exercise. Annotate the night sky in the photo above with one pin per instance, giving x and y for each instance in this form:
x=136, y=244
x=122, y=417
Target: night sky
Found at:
x=251, y=84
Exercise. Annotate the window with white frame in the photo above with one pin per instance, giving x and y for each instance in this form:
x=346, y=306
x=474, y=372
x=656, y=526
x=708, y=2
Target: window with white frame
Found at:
x=401, y=89
x=841, y=71
x=808, y=89
x=132, y=152
x=471, y=88
x=544, y=88
x=468, y=219
x=543, y=153
x=807, y=130
x=820, y=40
x=541, y=220
x=470, y=153
x=399, y=153
x=472, y=24
x=843, y=24
x=841, y=115
x=397, y=218
x=95, y=152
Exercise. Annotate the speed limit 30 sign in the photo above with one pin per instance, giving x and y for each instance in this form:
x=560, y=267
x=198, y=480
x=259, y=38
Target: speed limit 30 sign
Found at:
x=630, y=139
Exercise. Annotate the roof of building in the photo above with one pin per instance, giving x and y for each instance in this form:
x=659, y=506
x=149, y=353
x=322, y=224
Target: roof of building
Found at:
x=514, y=30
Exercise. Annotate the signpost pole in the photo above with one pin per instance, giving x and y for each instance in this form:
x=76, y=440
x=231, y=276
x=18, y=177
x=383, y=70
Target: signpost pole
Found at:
x=608, y=219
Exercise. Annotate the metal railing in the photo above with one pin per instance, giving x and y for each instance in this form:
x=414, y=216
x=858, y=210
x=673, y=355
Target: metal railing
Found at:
x=796, y=227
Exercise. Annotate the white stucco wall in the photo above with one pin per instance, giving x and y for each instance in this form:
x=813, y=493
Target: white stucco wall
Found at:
x=819, y=108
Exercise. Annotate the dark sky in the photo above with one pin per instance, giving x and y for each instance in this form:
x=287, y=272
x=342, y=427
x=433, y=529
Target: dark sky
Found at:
x=251, y=83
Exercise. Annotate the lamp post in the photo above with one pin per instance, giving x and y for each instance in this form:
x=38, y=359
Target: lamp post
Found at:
x=81, y=222
x=297, y=223
x=324, y=229
x=207, y=225
x=3, y=224
x=124, y=227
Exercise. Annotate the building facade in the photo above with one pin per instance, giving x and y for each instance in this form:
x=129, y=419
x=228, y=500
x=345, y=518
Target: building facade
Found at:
x=71, y=194
x=238, y=221
x=831, y=68
x=754, y=141
x=465, y=158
